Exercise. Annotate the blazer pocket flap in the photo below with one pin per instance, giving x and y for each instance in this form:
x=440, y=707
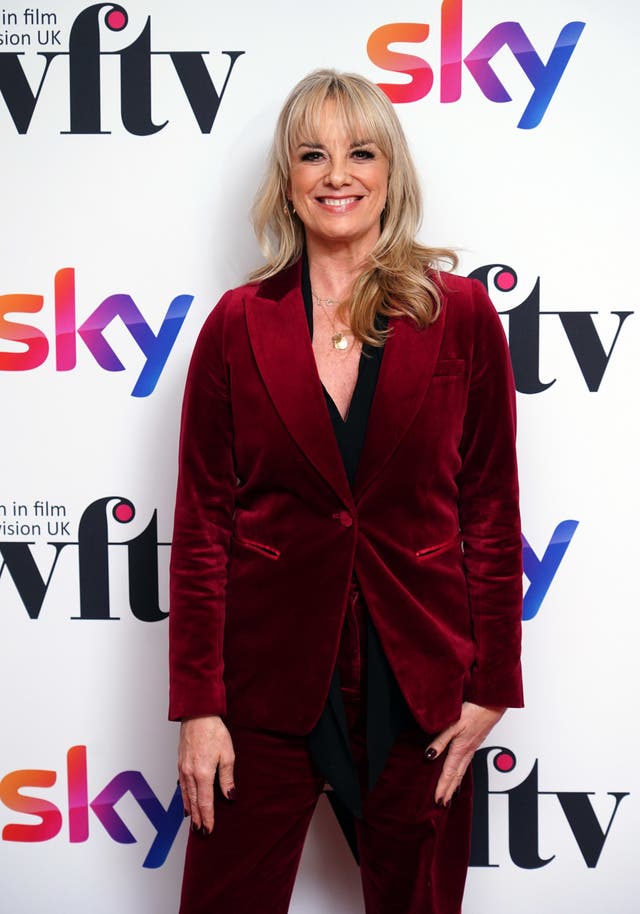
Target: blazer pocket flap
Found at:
x=448, y=367
x=438, y=548
x=269, y=551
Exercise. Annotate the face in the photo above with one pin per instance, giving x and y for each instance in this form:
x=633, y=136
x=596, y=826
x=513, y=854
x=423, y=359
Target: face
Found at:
x=338, y=185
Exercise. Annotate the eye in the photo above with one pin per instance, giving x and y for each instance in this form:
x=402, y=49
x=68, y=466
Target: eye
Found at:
x=314, y=155
x=363, y=154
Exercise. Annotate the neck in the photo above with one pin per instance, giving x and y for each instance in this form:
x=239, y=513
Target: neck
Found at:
x=334, y=269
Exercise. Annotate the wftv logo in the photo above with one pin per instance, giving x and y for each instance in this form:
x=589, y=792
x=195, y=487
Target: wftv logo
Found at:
x=93, y=545
x=523, y=814
x=154, y=347
x=85, y=55
x=524, y=333
x=544, y=77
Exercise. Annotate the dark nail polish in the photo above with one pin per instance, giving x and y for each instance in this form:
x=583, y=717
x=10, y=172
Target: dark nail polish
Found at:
x=430, y=754
x=194, y=828
x=204, y=831
x=186, y=813
x=457, y=790
x=232, y=794
x=447, y=804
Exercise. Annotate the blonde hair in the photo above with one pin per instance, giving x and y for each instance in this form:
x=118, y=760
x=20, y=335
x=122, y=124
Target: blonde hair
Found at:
x=399, y=279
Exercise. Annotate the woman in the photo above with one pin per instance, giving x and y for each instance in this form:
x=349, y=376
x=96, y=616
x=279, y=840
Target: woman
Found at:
x=346, y=568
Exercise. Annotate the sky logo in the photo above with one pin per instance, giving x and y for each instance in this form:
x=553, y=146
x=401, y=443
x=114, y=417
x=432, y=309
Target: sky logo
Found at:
x=13, y=795
x=155, y=347
x=542, y=571
x=544, y=77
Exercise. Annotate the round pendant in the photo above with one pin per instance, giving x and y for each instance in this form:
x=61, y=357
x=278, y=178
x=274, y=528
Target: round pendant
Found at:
x=339, y=341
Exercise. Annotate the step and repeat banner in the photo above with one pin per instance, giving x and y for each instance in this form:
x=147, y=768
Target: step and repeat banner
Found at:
x=132, y=139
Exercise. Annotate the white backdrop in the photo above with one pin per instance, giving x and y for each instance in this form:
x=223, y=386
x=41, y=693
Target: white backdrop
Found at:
x=161, y=219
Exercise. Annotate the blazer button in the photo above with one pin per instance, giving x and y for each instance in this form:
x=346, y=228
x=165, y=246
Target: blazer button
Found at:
x=345, y=518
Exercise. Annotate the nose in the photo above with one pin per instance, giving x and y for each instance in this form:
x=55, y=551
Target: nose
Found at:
x=338, y=173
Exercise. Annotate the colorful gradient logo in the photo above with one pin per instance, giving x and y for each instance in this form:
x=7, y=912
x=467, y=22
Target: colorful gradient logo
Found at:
x=544, y=77
x=541, y=571
x=13, y=787
x=155, y=347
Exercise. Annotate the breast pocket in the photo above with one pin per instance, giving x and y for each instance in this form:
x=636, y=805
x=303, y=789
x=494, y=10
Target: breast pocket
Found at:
x=449, y=368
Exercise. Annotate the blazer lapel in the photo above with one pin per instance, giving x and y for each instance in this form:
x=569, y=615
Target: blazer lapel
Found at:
x=281, y=344
x=407, y=367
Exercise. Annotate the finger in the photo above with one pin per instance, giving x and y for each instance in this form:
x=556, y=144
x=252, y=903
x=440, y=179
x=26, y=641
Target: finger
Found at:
x=190, y=799
x=185, y=799
x=451, y=776
x=445, y=793
x=225, y=775
x=205, y=802
x=192, y=792
x=440, y=742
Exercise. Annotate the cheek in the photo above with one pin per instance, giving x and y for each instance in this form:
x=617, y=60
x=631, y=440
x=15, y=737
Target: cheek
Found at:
x=297, y=193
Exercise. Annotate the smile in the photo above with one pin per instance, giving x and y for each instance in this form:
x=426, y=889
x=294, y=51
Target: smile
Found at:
x=337, y=201
x=339, y=205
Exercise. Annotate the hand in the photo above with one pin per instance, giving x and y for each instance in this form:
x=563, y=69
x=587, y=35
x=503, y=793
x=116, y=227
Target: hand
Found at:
x=205, y=747
x=461, y=740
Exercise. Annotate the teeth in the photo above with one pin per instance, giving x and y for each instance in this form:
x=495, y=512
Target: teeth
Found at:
x=332, y=201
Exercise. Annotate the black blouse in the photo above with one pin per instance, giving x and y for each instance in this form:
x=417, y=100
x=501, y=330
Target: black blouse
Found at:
x=387, y=713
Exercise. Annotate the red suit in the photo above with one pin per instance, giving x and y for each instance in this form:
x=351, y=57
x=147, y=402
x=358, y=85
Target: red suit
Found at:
x=268, y=532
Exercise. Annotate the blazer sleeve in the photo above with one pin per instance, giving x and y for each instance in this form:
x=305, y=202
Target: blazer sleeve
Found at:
x=489, y=513
x=202, y=530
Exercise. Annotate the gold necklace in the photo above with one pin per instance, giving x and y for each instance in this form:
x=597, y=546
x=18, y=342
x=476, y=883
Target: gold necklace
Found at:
x=339, y=340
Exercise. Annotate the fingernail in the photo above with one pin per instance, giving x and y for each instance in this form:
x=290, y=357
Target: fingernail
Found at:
x=204, y=831
x=194, y=828
x=232, y=794
x=447, y=804
x=457, y=790
x=186, y=813
x=430, y=754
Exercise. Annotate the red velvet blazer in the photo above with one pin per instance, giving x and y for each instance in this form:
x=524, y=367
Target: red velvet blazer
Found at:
x=268, y=532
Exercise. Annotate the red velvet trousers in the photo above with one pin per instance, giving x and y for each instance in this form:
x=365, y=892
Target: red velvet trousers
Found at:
x=413, y=854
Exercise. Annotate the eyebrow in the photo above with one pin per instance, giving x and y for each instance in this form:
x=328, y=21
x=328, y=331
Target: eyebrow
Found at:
x=355, y=145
